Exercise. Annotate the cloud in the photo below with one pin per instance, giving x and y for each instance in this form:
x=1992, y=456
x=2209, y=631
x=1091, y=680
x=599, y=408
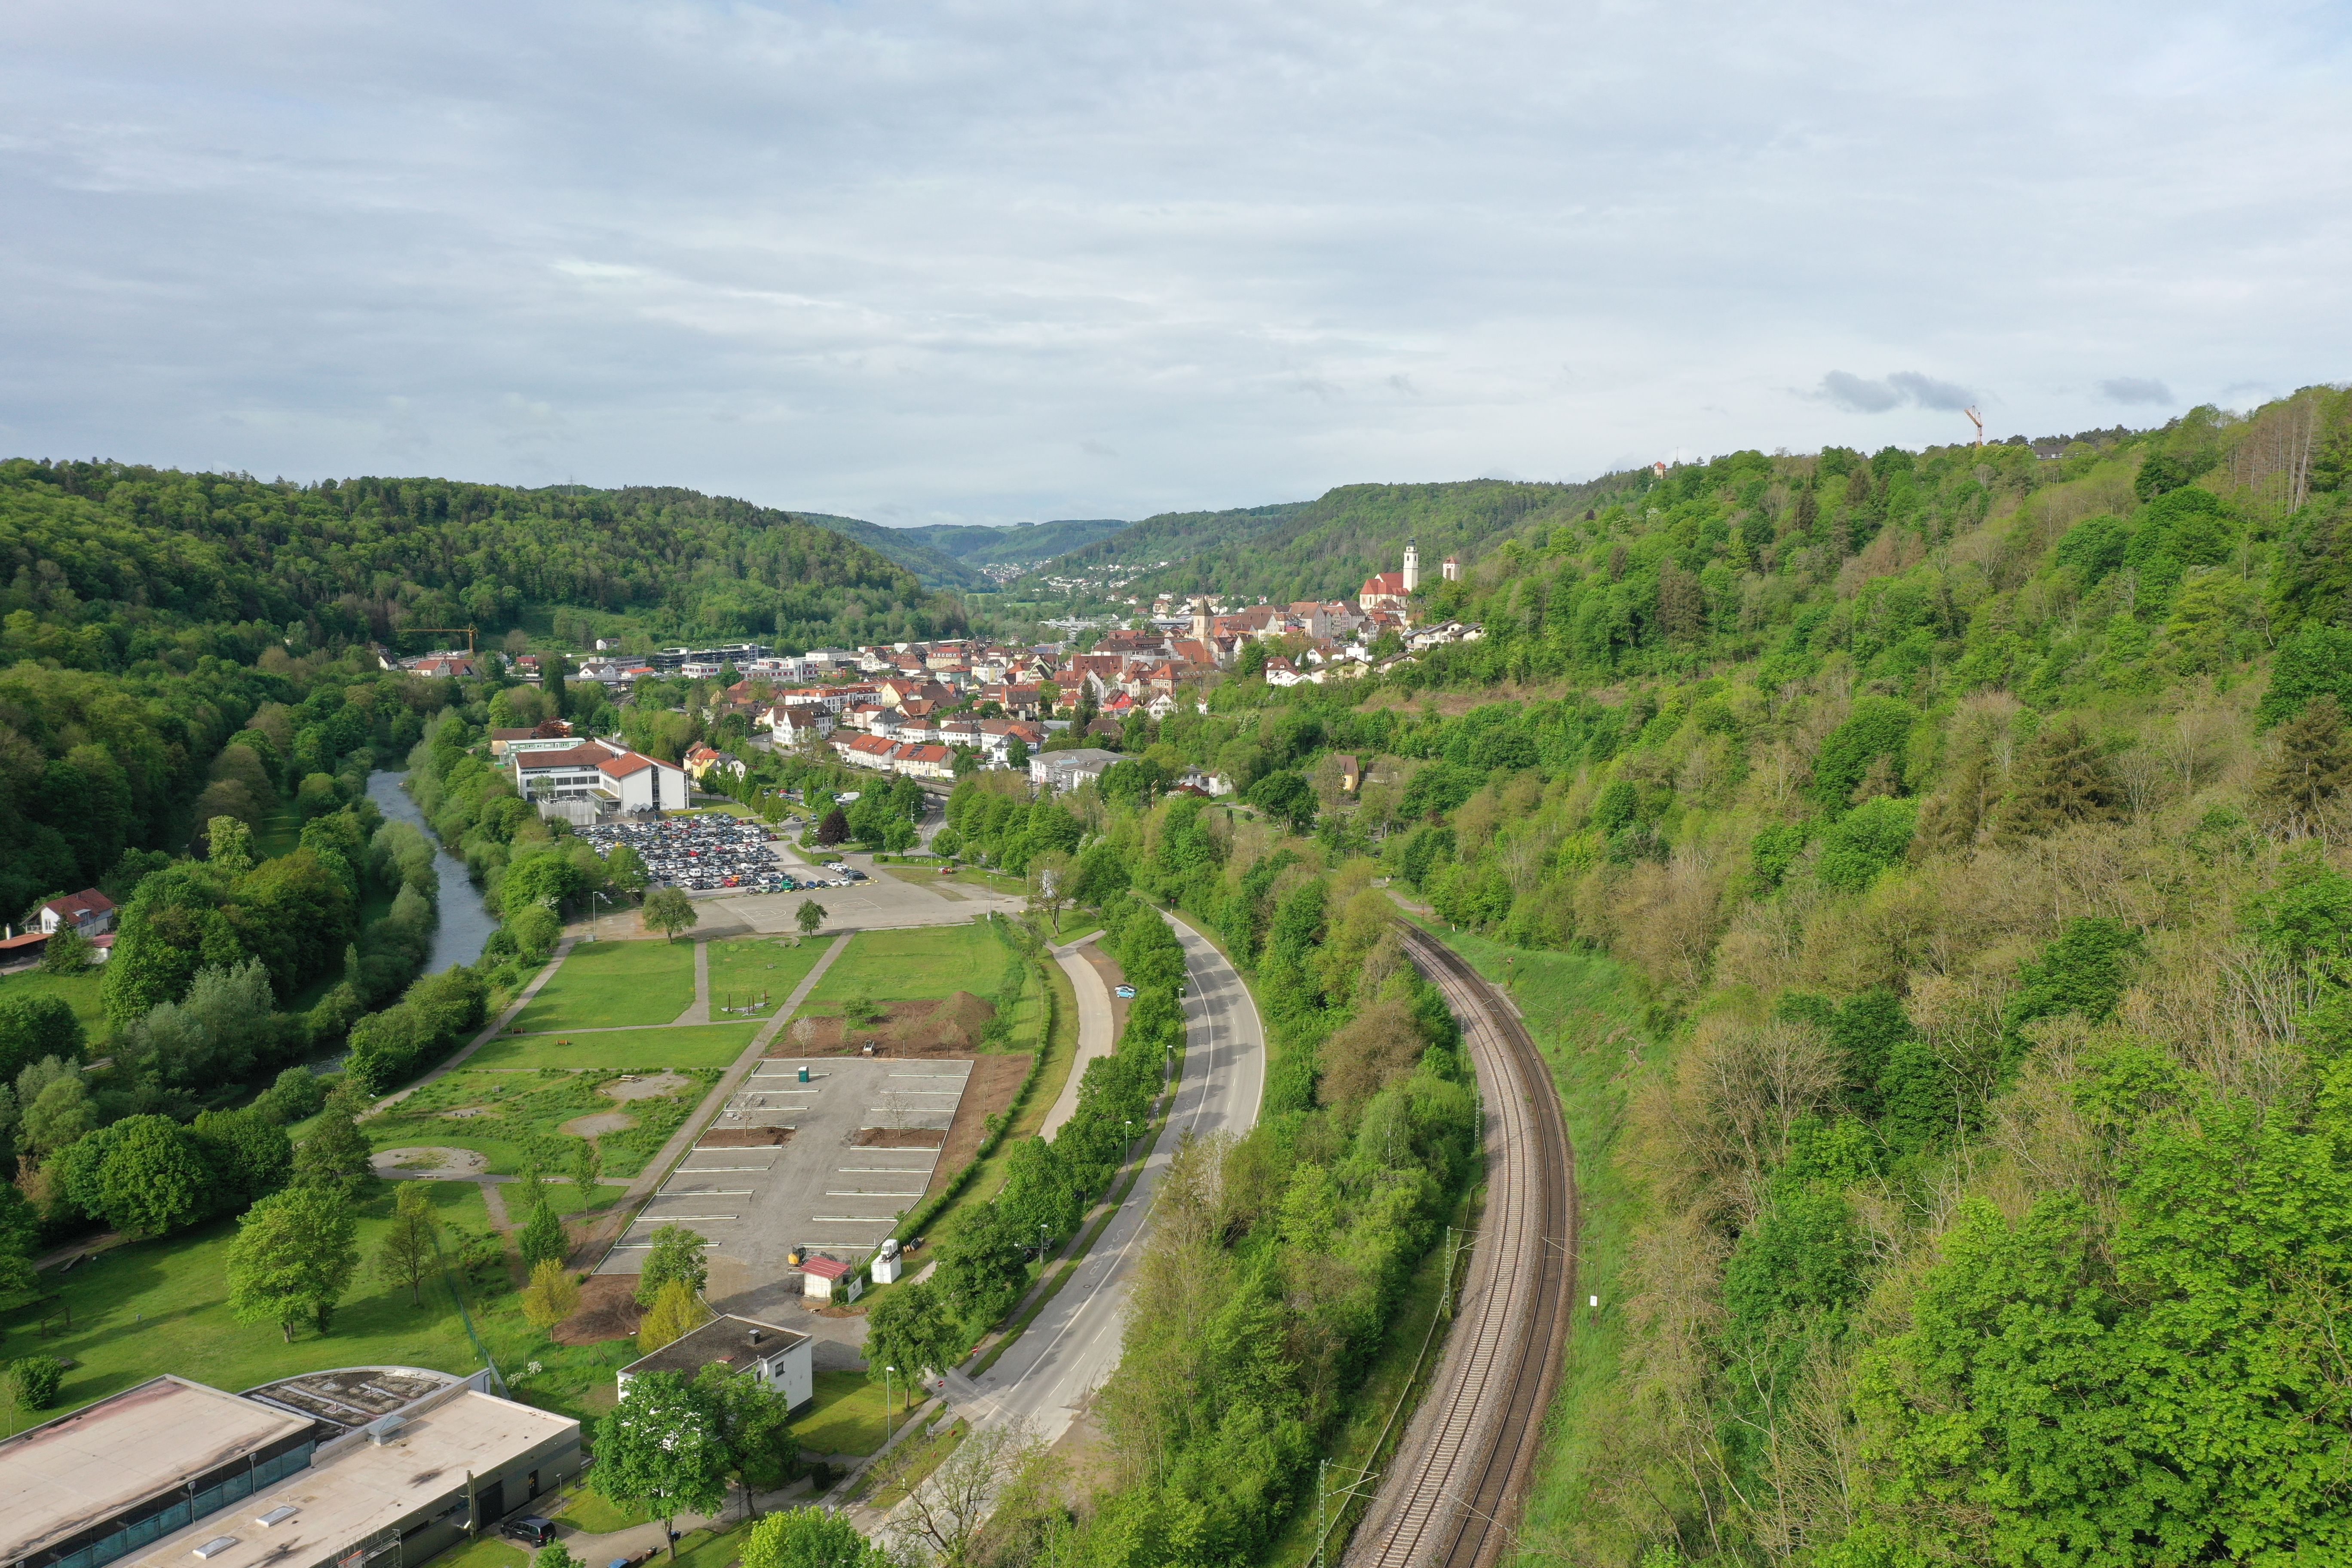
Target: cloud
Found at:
x=1930, y=392
x=1857, y=394
x=2136, y=389
x=1255, y=250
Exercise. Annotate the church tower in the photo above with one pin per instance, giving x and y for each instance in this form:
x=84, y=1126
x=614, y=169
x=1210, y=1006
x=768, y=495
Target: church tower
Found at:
x=1411, y=568
x=1201, y=621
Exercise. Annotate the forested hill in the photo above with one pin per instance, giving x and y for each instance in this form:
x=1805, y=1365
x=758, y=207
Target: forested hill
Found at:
x=910, y=547
x=1930, y=875
x=103, y=563
x=1326, y=548
x=979, y=545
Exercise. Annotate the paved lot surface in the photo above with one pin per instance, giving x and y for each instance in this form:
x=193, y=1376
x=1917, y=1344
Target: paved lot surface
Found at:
x=879, y=902
x=818, y=1189
x=1095, y=1032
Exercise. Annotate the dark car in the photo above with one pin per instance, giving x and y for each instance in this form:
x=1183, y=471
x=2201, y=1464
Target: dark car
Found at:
x=532, y=1530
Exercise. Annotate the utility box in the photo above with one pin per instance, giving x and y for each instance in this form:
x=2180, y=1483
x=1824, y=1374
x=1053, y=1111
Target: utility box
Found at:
x=887, y=1263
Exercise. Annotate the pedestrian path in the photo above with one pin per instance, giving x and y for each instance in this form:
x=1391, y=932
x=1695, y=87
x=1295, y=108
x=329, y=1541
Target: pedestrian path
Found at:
x=491, y=1032
x=700, y=1012
x=1093, y=1028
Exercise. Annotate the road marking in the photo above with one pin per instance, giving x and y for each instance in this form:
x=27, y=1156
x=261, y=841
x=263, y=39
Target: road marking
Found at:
x=887, y=1169
x=957, y=1077
x=853, y=1219
x=721, y=1170
x=866, y=1193
x=709, y=1193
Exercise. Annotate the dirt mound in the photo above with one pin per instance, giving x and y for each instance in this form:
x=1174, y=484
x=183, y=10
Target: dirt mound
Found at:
x=656, y=1085
x=608, y=1311
x=428, y=1163
x=746, y=1138
x=602, y=1122
x=898, y=1137
x=925, y=1029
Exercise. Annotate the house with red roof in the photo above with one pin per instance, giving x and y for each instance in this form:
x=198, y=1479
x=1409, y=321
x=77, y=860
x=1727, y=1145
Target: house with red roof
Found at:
x=88, y=912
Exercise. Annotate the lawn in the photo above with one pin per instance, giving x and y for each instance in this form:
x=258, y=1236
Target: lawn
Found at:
x=614, y=984
x=847, y=1415
x=769, y=964
x=279, y=832
x=929, y=962
x=520, y=1119
x=80, y=992
x=152, y=1307
x=622, y=1050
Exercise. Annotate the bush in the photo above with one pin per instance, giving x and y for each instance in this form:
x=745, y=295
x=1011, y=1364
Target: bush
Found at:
x=38, y=1380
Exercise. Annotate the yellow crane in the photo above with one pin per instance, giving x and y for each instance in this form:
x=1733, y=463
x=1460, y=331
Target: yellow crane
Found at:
x=1977, y=420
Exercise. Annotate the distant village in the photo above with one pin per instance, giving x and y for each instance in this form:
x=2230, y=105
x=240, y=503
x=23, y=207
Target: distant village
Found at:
x=919, y=708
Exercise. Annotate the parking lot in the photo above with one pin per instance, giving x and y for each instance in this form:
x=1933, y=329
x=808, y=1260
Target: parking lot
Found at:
x=861, y=1140
x=880, y=901
x=702, y=853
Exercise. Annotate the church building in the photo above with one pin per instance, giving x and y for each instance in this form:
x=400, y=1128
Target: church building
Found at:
x=1393, y=590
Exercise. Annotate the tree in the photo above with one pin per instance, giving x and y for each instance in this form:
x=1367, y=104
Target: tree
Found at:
x=2312, y=766
x=833, y=828
x=913, y=1328
x=625, y=869
x=587, y=1168
x=551, y=1295
x=67, y=952
x=32, y=1028
x=982, y=1264
x=1016, y=753
x=676, y=1312
x=409, y=1250
x=153, y=1178
x=250, y=1152
x=2064, y=778
x=60, y=1116
x=755, y=1422
x=659, y=1451
x=675, y=1254
x=553, y=667
x=669, y=911
x=1049, y=885
x=942, y=1513
x=555, y=1555
x=38, y=1379
x=810, y=1538
x=293, y=1256
x=229, y=846
x=336, y=1153
x=809, y=917
x=544, y=1238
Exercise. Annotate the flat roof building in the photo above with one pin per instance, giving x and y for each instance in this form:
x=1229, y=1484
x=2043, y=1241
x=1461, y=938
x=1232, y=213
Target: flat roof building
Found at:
x=172, y=1470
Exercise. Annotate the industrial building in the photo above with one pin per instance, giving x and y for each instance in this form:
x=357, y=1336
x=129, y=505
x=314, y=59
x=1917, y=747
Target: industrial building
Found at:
x=301, y=1474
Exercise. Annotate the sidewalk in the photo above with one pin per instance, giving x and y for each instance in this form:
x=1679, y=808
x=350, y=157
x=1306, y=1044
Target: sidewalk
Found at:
x=1095, y=1031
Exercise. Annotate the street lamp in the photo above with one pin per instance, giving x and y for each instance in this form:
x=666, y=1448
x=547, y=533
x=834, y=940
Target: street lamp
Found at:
x=593, y=896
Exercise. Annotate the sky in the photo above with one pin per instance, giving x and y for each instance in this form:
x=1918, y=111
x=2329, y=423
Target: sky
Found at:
x=988, y=263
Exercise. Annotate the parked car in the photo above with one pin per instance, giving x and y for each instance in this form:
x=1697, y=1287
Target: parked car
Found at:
x=530, y=1530
x=1126, y=990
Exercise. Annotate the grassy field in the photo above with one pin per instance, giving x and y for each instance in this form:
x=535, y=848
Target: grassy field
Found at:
x=847, y=1415
x=758, y=963
x=278, y=833
x=80, y=992
x=519, y=1117
x=1584, y=1014
x=931, y=963
x=152, y=1307
x=623, y=1050
x=614, y=984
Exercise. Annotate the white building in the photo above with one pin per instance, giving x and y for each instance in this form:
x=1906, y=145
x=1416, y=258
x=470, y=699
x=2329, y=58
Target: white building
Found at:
x=779, y=1358
x=1065, y=771
x=605, y=773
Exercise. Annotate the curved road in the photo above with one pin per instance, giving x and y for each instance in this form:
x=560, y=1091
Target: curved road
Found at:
x=1451, y=1497
x=1046, y=1376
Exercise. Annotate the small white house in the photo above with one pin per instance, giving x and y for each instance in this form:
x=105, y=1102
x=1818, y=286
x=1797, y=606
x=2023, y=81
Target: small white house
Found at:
x=830, y=1280
x=887, y=1263
x=88, y=912
x=781, y=1358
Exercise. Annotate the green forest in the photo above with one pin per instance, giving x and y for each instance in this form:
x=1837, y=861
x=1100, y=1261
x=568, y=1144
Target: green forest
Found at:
x=1929, y=875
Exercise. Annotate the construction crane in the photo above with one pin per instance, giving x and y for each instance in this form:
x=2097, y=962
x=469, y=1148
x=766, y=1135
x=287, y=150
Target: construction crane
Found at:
x=451, y=631
x=1977, y=420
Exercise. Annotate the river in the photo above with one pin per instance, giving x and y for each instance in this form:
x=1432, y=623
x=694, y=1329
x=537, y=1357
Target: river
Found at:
x=465, y=924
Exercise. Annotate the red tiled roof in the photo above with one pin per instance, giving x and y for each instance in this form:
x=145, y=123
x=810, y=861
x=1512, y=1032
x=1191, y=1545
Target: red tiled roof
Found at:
x=76, y=906
x=828, y=1268
x=625, y=765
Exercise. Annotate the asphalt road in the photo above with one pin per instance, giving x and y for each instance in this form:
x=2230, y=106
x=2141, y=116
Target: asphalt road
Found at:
x=1047, y=1374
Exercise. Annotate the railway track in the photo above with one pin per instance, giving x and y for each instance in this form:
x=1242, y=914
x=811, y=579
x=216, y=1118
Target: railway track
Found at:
x=1451, y=1497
